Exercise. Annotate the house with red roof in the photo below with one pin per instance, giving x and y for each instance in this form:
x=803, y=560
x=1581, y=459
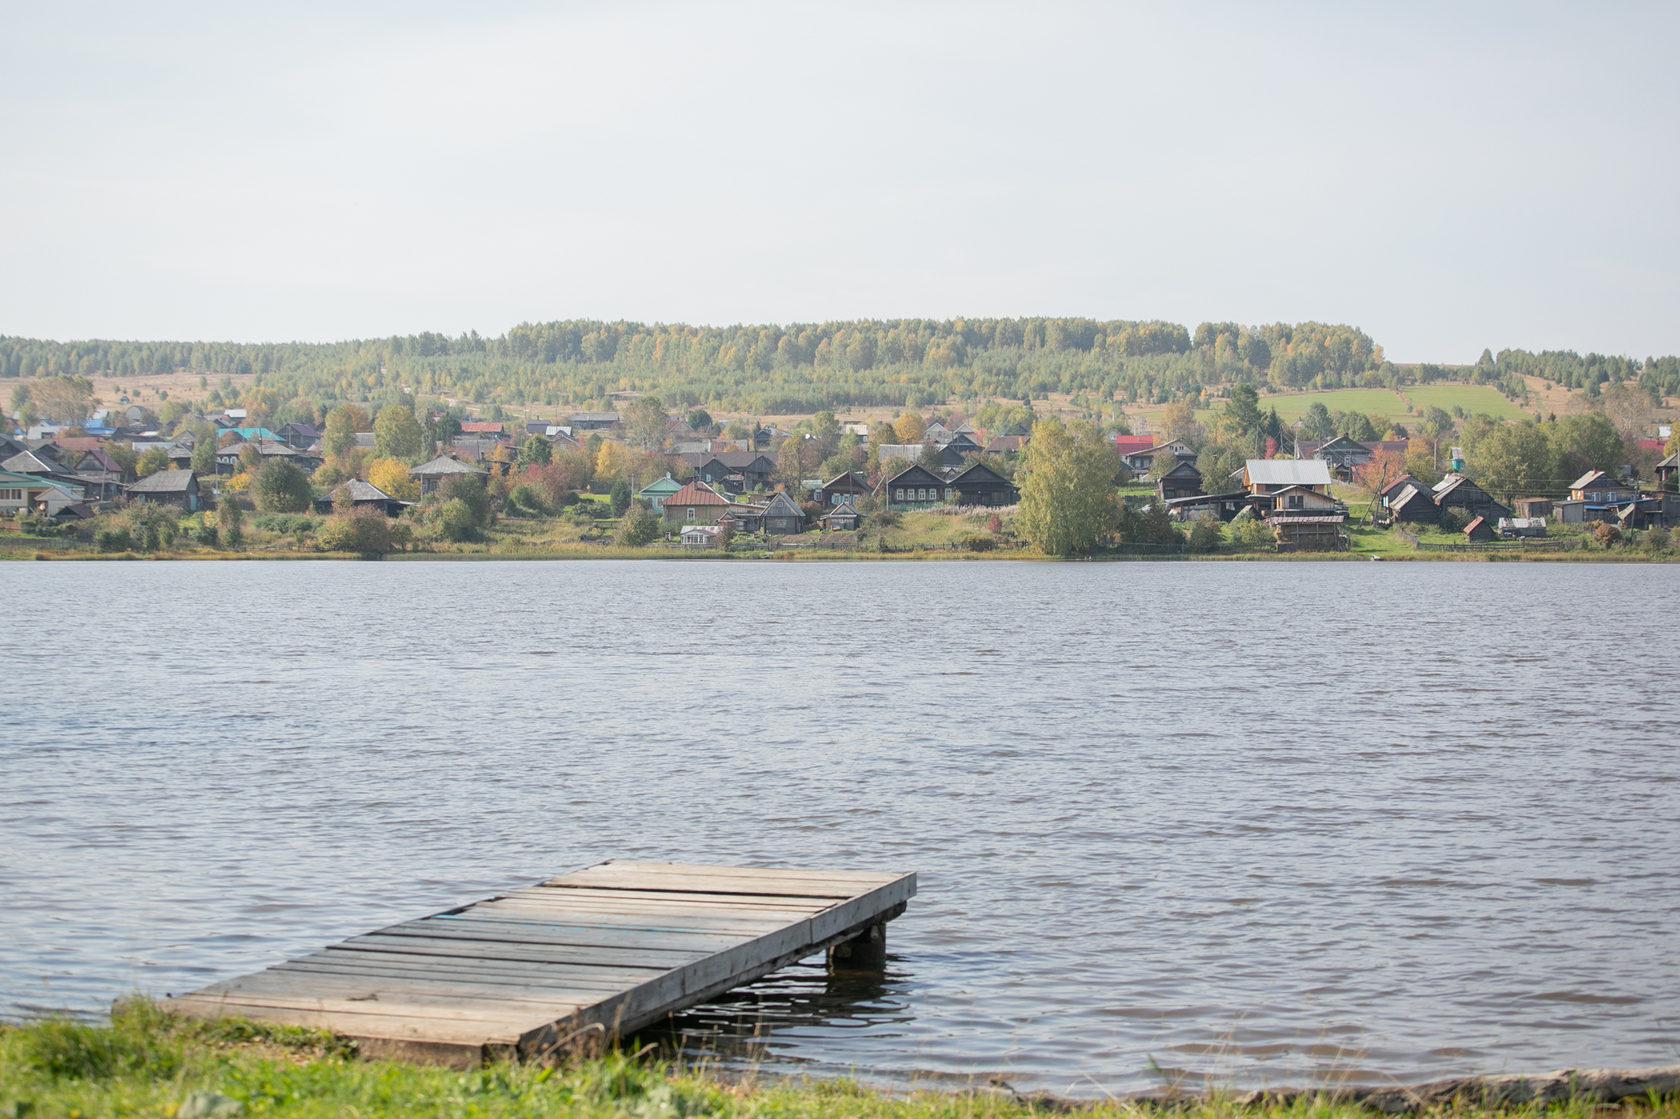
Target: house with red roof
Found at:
x=695, y=504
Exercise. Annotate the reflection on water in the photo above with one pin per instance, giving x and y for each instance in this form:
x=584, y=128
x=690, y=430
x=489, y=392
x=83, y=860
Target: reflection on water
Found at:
x=1233, y=823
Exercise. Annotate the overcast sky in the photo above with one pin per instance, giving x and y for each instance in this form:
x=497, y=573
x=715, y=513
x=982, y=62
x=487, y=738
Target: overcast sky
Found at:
x=1446, y=176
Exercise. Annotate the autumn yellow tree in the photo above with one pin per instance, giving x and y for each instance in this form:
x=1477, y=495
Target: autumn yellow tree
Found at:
x=614, y=461
x=391, y=475
x=910, y=428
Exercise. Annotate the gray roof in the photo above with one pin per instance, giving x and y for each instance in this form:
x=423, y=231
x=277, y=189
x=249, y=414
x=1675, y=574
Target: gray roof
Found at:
x=364, y=491
x=164, y=481
x=782, y=505
x=441, y=466
x=1288, y=472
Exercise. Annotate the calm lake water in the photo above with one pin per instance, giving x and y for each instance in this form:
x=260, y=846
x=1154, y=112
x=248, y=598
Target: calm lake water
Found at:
x=1255, y=823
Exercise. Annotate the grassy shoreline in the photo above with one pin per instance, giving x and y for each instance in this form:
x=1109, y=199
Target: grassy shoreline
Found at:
x=150, y=1063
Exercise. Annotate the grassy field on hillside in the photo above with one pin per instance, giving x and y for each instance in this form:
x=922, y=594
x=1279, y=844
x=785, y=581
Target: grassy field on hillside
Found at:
x=1471, y=398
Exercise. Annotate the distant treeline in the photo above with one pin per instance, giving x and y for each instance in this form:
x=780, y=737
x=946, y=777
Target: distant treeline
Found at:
x=807, y=367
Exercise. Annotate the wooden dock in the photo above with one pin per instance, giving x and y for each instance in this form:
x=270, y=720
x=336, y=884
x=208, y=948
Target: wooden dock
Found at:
x=566, y=965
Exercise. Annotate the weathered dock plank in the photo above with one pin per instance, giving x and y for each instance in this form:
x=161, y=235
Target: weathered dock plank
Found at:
x=566, y=964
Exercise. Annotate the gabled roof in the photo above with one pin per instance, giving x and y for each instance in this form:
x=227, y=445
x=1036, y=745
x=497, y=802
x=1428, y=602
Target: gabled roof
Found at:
x=1477, y=521
x=164, y=481
x=1450, y=483
x=481, y=427
x=1130, y=444
x=364, y=491
x=1671, y=460
x=697, y=493
x=1287, y=472
x=932, y=479
x=781, y=505
x=1411, y=493
x=41, y=461
x=978, y=467
x=660, y=486
x=844, y=509
x=851, y=476
x=1183, y=468
x=1591, y=478
x=1000, y=443
x=102, y=460
x=1401, y=483
x=443, y=465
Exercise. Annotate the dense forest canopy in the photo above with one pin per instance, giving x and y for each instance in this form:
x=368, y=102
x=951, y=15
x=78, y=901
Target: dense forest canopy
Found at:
x=805, y=367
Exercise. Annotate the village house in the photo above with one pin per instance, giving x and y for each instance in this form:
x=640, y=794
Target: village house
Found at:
x=431, y=474
x=782, y=517
x=694, y=504
x=167, y=487
x=1264, y=478
x=1346, y=455
x=916, y=487
x=1667, y=473
x=1598, y=489
x=912, y=452
x=1306, y=532
x=1478, y=531
x=35, y=492
x=1140, y=462
x=850, y=486
x=1303, y=499
x=655, y=492
x=734, y=471
x=841, y=518
x=980, y=485
x=1183, y=480
x=1455, y=491
x=361, y=495
x=1414, y=505
x=1004, y=445
x=592, y=421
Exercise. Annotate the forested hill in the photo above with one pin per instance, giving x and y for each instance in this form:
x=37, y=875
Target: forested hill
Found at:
x=806, y=367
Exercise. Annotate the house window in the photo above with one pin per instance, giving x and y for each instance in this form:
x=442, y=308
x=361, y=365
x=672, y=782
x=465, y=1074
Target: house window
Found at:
x=898, y=494
x=691, y=512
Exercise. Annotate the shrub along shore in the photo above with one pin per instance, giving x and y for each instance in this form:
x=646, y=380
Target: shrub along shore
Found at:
x=150, y=1063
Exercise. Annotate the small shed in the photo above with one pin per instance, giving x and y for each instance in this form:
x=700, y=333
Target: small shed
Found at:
x=1478, y=531
x=841, y=518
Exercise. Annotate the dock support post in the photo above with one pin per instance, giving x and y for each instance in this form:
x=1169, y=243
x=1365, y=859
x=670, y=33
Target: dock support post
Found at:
x=867, y=951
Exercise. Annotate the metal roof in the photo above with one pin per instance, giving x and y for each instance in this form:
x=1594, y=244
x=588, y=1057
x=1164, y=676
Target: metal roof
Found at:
x=1287, y=472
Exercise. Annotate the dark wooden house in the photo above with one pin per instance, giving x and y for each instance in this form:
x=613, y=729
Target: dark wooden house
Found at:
x=981, y=485
x=1414, y=505
x=782, y=517
x=841, y=518
x=1183, y=480
x=850, y=486
x=431, y=474
x=167, y=487
x=1308, y=532
x=916, y=487
x=1667, y=473
x=1455, y=491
